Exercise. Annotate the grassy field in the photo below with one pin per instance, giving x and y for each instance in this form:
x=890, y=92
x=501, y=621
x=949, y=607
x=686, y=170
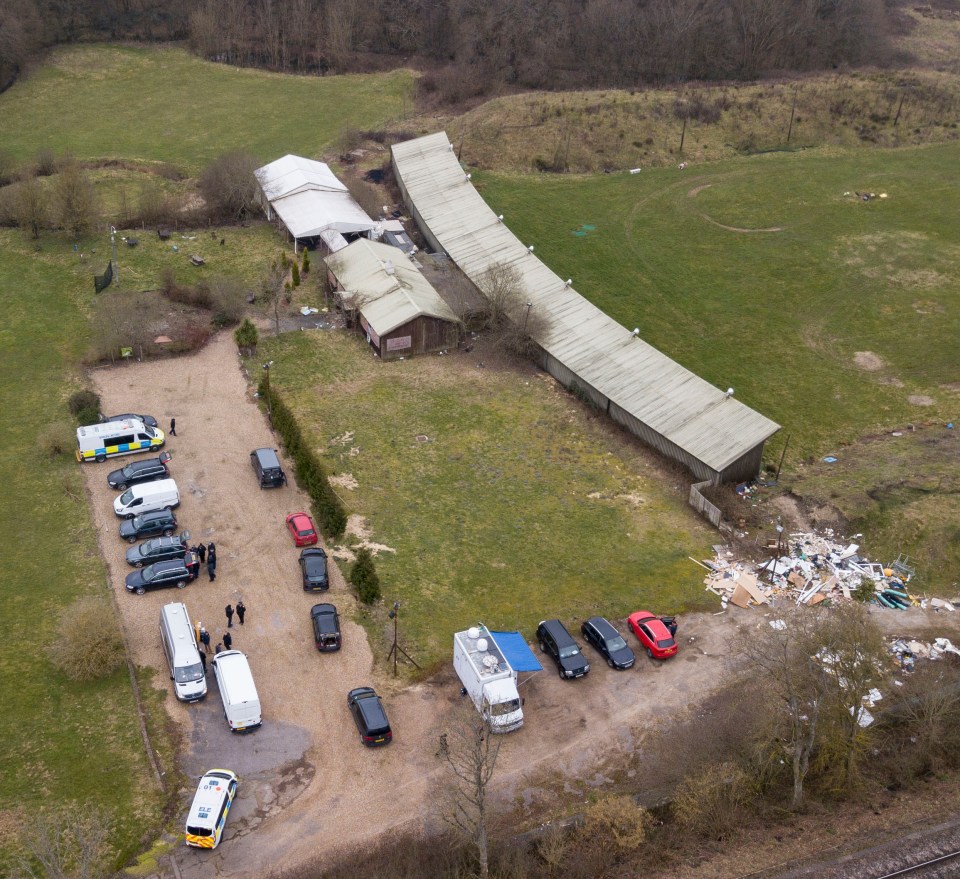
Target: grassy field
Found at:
x=520, y=505
x=162, y=105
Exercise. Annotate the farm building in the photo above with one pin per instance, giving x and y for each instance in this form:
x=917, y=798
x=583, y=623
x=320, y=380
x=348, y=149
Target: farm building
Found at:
x=684, y=417
x=310, y=202
x=397, y=307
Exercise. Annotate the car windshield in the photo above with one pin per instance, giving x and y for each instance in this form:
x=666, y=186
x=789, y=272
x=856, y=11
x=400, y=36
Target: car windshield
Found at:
x=567, y=652
x=304, y=532
x=502, y=708
x=614, y=644
x=666, y=643
x=129, y=470
x=193, y=830
x=150, y=572
x=126, y=497
x=189, y=673
x=149, y=431
x=146, y=549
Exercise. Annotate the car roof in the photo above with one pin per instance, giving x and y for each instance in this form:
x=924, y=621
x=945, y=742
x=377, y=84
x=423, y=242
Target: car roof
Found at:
x=321, y=609
x=655, y=624
x=559, y=632
x=156, y=514
x=604, y=627
x=313, y=552
x=297, y=517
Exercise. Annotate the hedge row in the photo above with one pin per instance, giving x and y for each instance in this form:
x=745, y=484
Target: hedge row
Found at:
x=310, y=473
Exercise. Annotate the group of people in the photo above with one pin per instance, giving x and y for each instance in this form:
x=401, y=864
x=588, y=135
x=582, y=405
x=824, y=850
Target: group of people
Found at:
x=227, y=644
x=207, y=553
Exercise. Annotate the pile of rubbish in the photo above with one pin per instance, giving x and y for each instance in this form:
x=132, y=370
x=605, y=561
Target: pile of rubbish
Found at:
x=907, y=651
x=809, y=568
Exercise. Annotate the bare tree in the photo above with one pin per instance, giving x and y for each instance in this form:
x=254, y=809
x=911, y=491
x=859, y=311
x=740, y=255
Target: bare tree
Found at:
x=514, y=322
x=73, y=843
x=30, y=206
x=229, y=185
x=76, y=199
x=272, y=286
x=470, y=750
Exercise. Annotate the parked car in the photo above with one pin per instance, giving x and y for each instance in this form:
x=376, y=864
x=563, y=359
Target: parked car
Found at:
x=175, y=572
x=266, y=465
x=653, y=634
x=158, y=549
x=608, y=641
x=370, y=716
x=148, y=420
x=313, y=568
x=326, y=627
x=139, y=471
x=302, y=529
x=150, y=524
x=557, y=641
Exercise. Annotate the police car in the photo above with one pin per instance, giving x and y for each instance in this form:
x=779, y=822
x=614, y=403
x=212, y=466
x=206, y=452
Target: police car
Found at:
x=211, y=804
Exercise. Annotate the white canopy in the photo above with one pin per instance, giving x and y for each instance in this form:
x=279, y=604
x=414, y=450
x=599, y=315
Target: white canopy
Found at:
x=308, y=198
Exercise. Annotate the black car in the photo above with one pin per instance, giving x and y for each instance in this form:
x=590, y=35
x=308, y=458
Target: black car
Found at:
x=148, y=420
x=369, y=716
x=557, y=641
x=609, y=642
x=266, y=465
x=313, y=567
x=139, y=471
x=158, y=549
x=150, y=524
x=326, y=627
x=176, y=572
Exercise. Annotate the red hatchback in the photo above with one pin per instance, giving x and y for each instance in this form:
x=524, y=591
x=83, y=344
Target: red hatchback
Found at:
x=302, y=529
x=653, y=634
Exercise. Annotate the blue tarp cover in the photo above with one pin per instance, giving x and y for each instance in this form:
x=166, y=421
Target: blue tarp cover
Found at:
x=516, y=651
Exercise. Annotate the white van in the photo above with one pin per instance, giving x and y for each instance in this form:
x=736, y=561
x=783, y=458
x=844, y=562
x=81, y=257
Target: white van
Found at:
x=211, y=804
x=97, y=442
x=183, y=657
x=241, y=704
x=146, y=497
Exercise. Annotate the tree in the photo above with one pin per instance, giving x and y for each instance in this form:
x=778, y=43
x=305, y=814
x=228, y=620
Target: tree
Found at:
x=272, y=289
x=89, y=645
x=229, y=185
x=72, y=843
x=469, y=750
x=247, y=337
x=75, y=198
x=513, y=322
x=363, y=575
x=30, y=206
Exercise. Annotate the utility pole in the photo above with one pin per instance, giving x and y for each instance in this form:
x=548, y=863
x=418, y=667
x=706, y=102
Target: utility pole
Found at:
x=396, y=649
x=116, y=268
x=526, y=317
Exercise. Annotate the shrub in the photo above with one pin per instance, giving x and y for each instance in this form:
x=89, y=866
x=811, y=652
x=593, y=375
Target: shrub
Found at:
x=228, y=298
x=295, y=274
x=709, y=803
x=57, y=438
x=89, y=645
x=618, y=821
x=363, y=575
x=247, y=337
x=85, y=406
x=306, y=261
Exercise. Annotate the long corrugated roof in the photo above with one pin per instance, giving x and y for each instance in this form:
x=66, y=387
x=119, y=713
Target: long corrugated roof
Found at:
x=668, y=398
x=309, y=198
x=387, y=283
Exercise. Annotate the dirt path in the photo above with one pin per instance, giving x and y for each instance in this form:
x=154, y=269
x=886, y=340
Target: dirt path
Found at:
x=307, y=785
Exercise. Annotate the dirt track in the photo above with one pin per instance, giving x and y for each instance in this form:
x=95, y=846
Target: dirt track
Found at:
x=307, y=785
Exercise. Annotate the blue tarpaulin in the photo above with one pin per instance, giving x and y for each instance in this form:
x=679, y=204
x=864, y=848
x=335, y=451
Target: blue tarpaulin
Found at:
x=516, y=651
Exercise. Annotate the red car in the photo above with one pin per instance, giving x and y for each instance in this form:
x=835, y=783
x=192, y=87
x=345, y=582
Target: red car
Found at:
x=653, y=634
x=302, y=529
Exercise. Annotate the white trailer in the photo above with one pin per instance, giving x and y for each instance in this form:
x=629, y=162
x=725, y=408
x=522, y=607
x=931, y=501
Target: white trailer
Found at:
x=488, y=678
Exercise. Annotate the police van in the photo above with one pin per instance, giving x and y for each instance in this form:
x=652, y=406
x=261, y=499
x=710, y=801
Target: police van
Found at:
x=211, y=804
x=97, y=442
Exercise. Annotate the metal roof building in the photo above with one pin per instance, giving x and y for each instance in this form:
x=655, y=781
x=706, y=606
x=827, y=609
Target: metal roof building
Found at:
x=398, y=307
x=643, y=390
x=309, y=199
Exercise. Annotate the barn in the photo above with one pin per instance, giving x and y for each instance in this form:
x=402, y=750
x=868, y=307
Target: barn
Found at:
x=717, y=437
x=310, y=203
x=396, y=306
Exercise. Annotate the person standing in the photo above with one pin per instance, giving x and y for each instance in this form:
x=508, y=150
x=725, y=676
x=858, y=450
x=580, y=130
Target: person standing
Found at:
x=205, y=639
x=173, y=427
x=241, y=610
x=211, y=567
x=212, y=551
x=227, y=641
x=201, y=550
x=203, y=662
x=228, y=610
x=218, y=648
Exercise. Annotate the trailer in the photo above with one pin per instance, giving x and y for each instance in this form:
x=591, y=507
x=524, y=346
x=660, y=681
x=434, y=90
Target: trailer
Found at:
x=487, y=678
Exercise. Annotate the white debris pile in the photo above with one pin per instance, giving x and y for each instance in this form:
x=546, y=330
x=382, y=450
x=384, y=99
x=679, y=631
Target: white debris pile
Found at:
x=808, y=568
x=907, y=650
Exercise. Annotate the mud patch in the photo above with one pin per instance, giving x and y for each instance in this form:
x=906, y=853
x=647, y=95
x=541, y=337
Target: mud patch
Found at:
x=344, y=480
x=693, y=193
x=920, y=400
x=357, y=527
x=868, y=361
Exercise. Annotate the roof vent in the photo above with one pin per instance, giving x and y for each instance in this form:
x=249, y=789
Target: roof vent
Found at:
x=389, y=267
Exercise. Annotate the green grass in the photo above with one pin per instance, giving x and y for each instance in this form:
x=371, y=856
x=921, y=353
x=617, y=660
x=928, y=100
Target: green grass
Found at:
x=60, y=742
x=516, y=508
x=778, y=316
x=163, y=105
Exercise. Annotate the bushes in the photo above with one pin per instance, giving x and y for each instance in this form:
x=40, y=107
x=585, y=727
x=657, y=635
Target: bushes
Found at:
x=247, y=337
x=57, y=438
x=363, y=575
x=85, y=407
x=310, y=472
x=89, y=645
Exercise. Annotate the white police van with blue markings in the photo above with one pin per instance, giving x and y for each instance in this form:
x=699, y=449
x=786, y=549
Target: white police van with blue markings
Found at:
x=97, y=442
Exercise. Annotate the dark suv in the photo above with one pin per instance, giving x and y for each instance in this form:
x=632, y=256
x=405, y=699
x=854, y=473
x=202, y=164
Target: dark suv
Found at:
x=176, y=572
x=151, y=524
x=266, y=465
x=556, y=640
x=326, y=627
x=159, y=549
x=139, y=471
x=369, y=716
